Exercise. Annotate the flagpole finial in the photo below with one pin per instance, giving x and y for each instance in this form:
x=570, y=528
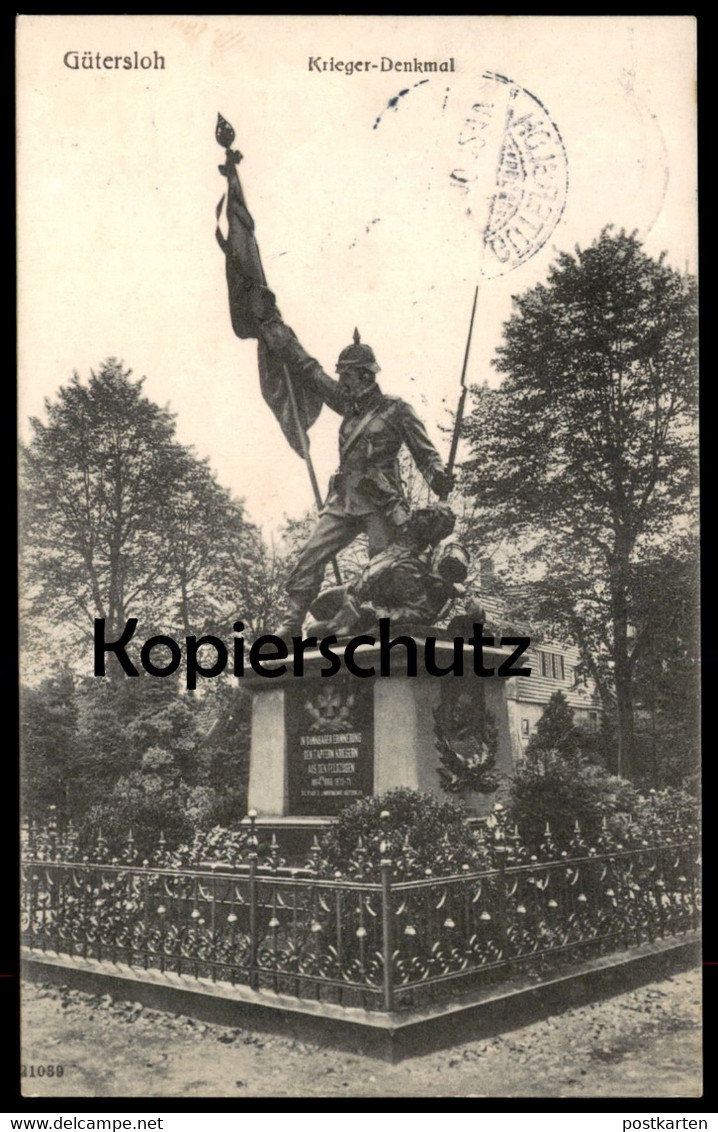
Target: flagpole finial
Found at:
x=224, y=133
x=357, y=338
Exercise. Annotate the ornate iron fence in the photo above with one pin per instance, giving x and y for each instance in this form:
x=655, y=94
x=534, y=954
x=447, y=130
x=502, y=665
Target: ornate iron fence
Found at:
x=382, y=944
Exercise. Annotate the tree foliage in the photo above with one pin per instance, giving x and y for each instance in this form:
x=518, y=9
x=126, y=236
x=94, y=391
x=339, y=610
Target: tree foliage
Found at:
x=95, y=476
x=119, y=520
x=555, y=730
x=665, y=660
x=586, y=454
x=557, y=785
x=49, y=745
x=139, y=754
x=555, y=791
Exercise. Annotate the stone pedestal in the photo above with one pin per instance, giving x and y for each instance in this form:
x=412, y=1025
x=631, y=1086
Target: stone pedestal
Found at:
x=320, y=743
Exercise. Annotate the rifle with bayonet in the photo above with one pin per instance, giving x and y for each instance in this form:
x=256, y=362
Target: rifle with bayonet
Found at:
x=464, y=391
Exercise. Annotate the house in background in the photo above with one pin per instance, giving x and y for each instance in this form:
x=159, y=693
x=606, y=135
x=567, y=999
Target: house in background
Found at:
x=554, y=668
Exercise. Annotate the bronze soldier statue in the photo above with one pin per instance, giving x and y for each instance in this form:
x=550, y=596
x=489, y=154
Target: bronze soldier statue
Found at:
x=366, y=493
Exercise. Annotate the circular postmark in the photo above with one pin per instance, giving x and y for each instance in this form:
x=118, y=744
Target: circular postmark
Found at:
x=513, y=157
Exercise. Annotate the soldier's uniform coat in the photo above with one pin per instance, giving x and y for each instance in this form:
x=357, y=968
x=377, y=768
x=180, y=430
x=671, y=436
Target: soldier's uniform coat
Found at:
x=366, y=493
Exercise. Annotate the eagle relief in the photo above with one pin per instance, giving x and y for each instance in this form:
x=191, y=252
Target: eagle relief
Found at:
x=330, y=708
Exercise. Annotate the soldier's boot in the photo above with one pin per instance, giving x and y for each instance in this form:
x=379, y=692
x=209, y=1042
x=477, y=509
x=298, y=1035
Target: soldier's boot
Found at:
x=297, y=609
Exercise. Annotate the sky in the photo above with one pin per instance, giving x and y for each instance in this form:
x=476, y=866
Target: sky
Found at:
x=369, y=203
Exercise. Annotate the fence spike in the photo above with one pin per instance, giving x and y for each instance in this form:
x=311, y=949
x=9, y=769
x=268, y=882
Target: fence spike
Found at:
x=273, y=860
x=252, y=839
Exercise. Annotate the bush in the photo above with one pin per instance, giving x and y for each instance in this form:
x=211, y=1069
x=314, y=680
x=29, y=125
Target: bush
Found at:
x=221, y=845
x=665, y=814
x=557, y=790
x=414, y=830
x=151, y=801
x=557, y=785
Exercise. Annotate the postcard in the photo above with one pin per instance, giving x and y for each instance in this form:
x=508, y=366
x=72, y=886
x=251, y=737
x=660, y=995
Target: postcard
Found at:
x=358, y=347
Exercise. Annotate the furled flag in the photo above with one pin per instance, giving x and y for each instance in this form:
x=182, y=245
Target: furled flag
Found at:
x=253, y=308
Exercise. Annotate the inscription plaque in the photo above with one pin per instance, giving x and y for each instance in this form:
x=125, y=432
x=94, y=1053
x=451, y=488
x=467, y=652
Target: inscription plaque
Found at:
x=330, y=746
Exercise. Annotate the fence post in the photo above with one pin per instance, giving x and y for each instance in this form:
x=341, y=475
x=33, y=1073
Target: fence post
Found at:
x=696, y=877
x=253, y=972
x=387, y=925
x=53, y=834
x=501, y=911
x=660, y=886
x=145, y=889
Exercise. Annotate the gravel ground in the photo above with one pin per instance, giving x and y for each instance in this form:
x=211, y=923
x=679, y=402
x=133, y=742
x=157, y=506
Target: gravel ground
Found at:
x=644, y=1043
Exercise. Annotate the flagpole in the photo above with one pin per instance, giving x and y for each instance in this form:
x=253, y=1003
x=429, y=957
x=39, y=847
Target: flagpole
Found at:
x=304, y=442
x=225, y=136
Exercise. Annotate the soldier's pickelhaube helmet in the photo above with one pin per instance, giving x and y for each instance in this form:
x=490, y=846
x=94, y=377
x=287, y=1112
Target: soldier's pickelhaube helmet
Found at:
x=358, y=354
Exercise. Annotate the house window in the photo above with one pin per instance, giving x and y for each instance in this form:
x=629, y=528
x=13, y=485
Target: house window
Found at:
x=525, y=728
x=552, y=666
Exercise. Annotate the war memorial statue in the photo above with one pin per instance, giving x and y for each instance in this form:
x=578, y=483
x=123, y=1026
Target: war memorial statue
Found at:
x=366, y=493
x=412, y=573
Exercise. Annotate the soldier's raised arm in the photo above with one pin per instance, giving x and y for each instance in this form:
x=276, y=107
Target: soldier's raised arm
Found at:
x=424, y=453
x=282, y=344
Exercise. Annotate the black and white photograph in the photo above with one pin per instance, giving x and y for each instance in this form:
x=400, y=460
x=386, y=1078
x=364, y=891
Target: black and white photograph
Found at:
x=359, y=584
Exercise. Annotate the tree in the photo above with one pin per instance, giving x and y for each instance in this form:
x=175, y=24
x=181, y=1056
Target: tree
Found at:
x=49, y=742
x=90, y=747
x=225, y=745
x=665, y=658
x=555, y=730
x=94, y=477
x=212, y=552
x=586, y=454
x=119, y=520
